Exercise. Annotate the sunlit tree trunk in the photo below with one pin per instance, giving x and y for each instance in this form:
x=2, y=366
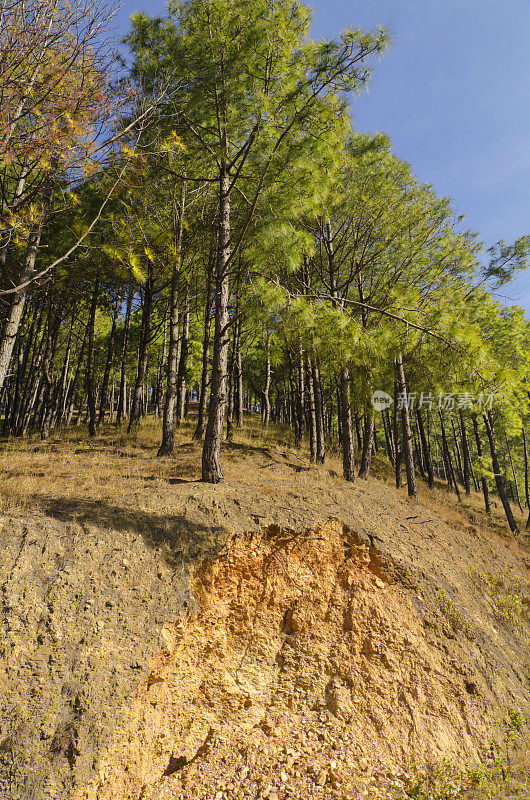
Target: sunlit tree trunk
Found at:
x=211, y=454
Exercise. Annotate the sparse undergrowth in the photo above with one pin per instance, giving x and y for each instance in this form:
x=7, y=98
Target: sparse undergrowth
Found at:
x=455, y=617
x=504, y=776
x=506, y=594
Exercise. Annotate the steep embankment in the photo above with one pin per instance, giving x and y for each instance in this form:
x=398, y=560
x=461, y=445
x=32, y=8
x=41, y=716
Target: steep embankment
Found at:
x=281, y=635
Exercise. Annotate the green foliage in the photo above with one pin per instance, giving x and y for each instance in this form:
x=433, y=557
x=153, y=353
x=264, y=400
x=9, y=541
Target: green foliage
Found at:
x=505, y=593
x=456, y=618
x=499, y=778
x=506, y=260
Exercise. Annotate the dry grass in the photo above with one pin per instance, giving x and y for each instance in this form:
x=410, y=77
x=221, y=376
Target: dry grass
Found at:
x=116, y=466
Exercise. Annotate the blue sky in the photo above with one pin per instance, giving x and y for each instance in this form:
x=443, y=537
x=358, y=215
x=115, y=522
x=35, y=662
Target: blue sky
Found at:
x=453, y=93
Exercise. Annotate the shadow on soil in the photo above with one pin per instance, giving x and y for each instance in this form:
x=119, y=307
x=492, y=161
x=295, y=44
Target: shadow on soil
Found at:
x=179, y=539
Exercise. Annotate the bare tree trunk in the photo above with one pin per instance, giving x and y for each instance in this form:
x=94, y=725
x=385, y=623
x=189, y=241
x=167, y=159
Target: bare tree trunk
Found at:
x=69, y=404
x=231, y=391
x=397, y=441
x=50, y=396
x=143, y=353
x=238, y=374
x=418, y=451
x=312, y=417
x=319, y=413
x=63, y=382
x=499, y=478
x=122, y=405
x=458, y=457
x=266, y=410
x=14, y=316
x=466, y=455
x=526, y=479
x=43, y=393
x=9, y=422
x=183, y=361
x=426, y=450
x=90, y=389
x=161, y=369
x=407, y=431
x=368, y=443
x=300, y=399
x=448, y=461
x=348, y=454
x=516, y=485
x=211, y=454
x=203, y=397
x=168, y=420
x=110, y=353
x=388, y=437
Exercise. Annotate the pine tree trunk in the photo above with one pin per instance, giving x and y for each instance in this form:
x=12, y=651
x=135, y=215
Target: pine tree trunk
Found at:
x=122, y=404
x=203, y=397
x=231, y=391
x=63, y=382
x=397, y=440
x=143, y=354
x=50, y=390
x=407, y=431
x=43, y=393
x=161, y=370
x=368, y=443
x=483, y=481
x=499, y=478
x=10, y=427
x=71, y=395
x=266, y=410
x=426, y=450
x=211, y=454
x=168, y=420
x=16, y=308
x=89, y=384
x=388, y=437
x=466, y=455
x=108, y=364
x=448, y=461
x=183, y=361
x=239, y=417
x=21, y=357
x=319, y=413
x=456, y=451
x=348, y=455
x=418, y=450
x=526, y=479
x=27, y=369
x=300, y=399
x=515, y=483
x=312, y=417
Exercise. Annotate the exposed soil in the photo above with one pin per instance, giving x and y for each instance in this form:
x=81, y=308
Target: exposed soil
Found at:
x=281, y=635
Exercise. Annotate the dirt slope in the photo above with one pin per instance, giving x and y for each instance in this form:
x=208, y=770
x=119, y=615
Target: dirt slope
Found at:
x=281, y=635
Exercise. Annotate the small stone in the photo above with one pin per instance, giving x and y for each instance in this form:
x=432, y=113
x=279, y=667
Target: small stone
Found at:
x=322, y=778
x=284, y=776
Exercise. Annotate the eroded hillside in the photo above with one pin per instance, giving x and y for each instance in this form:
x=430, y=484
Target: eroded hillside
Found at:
x=281, y=635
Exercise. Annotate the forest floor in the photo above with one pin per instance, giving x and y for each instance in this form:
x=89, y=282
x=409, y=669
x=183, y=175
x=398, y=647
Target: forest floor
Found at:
x=282, y=635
